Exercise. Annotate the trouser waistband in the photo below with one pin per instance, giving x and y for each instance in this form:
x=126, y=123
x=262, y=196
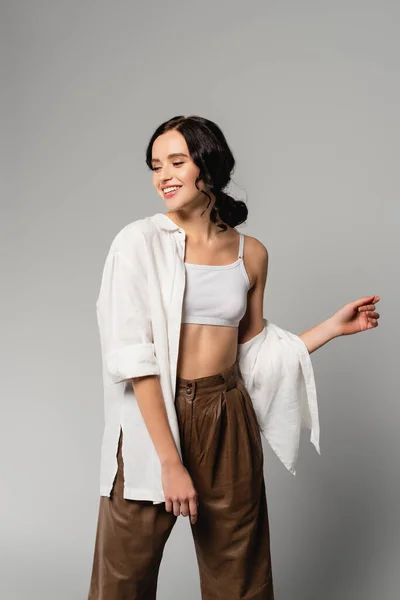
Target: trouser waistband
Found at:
x=226, y=379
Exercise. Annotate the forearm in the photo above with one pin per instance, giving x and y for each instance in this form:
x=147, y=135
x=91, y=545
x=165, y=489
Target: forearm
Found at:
x=150, y=399
x=319, y=335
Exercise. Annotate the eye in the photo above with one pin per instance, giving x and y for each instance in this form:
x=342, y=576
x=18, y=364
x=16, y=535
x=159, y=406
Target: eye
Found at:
x=175, y=165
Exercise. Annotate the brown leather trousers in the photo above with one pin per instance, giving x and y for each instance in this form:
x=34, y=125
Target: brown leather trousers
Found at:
x=222, y=451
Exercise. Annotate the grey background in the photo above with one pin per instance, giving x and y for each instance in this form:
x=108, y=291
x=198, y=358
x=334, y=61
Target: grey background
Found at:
x=307, y=94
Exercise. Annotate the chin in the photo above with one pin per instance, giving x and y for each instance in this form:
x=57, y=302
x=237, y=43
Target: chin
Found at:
x=178, y=205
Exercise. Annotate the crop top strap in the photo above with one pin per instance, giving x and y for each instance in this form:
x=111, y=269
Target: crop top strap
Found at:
x=241, y=244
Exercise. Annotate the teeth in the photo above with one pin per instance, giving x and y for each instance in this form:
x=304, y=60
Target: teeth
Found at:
x=171, y=189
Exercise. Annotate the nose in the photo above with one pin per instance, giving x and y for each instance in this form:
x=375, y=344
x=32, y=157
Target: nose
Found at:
x=164, y=173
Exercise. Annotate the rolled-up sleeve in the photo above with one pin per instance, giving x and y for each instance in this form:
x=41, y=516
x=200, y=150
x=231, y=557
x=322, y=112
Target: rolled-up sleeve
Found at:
x=123, y=315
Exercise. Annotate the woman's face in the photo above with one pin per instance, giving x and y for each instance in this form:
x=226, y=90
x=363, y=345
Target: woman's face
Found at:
x=173, y=166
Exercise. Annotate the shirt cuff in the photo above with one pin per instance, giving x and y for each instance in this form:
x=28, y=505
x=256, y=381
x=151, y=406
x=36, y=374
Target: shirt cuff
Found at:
x=136, y=360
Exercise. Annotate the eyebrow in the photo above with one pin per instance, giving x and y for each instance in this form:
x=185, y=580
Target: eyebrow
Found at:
x=170, y=156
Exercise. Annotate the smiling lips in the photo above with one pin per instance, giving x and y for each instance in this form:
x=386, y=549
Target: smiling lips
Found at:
x=170, y=191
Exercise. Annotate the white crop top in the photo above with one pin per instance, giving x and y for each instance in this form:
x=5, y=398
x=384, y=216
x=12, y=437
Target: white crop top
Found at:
x=216, y=295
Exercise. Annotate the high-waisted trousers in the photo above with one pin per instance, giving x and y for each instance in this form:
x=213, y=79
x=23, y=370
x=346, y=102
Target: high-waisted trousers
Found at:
x=222, y=451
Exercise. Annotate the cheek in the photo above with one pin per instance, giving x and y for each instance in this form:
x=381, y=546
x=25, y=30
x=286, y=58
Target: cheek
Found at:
x=155, y=180
x=189, y=176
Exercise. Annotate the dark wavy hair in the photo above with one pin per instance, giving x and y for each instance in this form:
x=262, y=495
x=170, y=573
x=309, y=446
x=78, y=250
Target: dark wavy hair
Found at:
x=209, y=150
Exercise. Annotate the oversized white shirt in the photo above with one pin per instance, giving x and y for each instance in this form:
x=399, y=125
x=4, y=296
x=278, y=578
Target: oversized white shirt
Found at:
x=139, y=309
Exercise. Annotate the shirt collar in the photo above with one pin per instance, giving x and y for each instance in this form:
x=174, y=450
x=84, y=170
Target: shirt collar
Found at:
x=165, y=222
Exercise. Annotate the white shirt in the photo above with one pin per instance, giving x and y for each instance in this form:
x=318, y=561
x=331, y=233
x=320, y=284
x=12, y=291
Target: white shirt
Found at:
x=139, y=311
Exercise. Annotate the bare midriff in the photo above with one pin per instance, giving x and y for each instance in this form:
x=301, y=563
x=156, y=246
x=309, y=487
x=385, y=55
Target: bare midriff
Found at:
x=206, y=349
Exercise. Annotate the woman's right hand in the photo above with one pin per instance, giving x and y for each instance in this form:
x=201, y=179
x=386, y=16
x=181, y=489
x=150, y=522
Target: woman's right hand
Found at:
x=180, y=494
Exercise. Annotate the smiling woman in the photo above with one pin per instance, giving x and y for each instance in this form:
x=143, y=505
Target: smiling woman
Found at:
x=193, y=374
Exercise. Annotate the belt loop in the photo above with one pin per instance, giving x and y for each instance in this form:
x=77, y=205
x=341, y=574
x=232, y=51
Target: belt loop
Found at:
x=235, y=373
x=230, y=377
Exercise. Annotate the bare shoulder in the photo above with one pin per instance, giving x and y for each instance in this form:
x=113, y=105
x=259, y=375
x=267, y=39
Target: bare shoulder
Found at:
x=256, y=259
x=255, y=248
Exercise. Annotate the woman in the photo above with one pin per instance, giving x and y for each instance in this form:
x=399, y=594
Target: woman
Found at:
x=192, y=375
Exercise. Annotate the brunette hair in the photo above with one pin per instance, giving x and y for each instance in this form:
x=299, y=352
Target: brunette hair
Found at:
x=209, y=150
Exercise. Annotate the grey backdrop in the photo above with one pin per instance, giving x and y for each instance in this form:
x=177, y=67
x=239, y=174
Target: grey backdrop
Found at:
x=308, y=96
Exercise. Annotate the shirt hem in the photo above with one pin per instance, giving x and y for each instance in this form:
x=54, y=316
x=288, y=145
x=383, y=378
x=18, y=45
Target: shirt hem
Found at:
x=131, y=493
x=208, y=321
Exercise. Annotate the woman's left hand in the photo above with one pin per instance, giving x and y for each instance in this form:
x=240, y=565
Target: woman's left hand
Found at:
x=356, y=316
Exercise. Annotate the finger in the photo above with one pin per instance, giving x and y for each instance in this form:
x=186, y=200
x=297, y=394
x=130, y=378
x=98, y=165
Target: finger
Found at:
x=361, y=301
x=177, y=508
x=168, y=505
x=184, y=508
x=373, y=317
x=193, y=504
x=367, y=307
